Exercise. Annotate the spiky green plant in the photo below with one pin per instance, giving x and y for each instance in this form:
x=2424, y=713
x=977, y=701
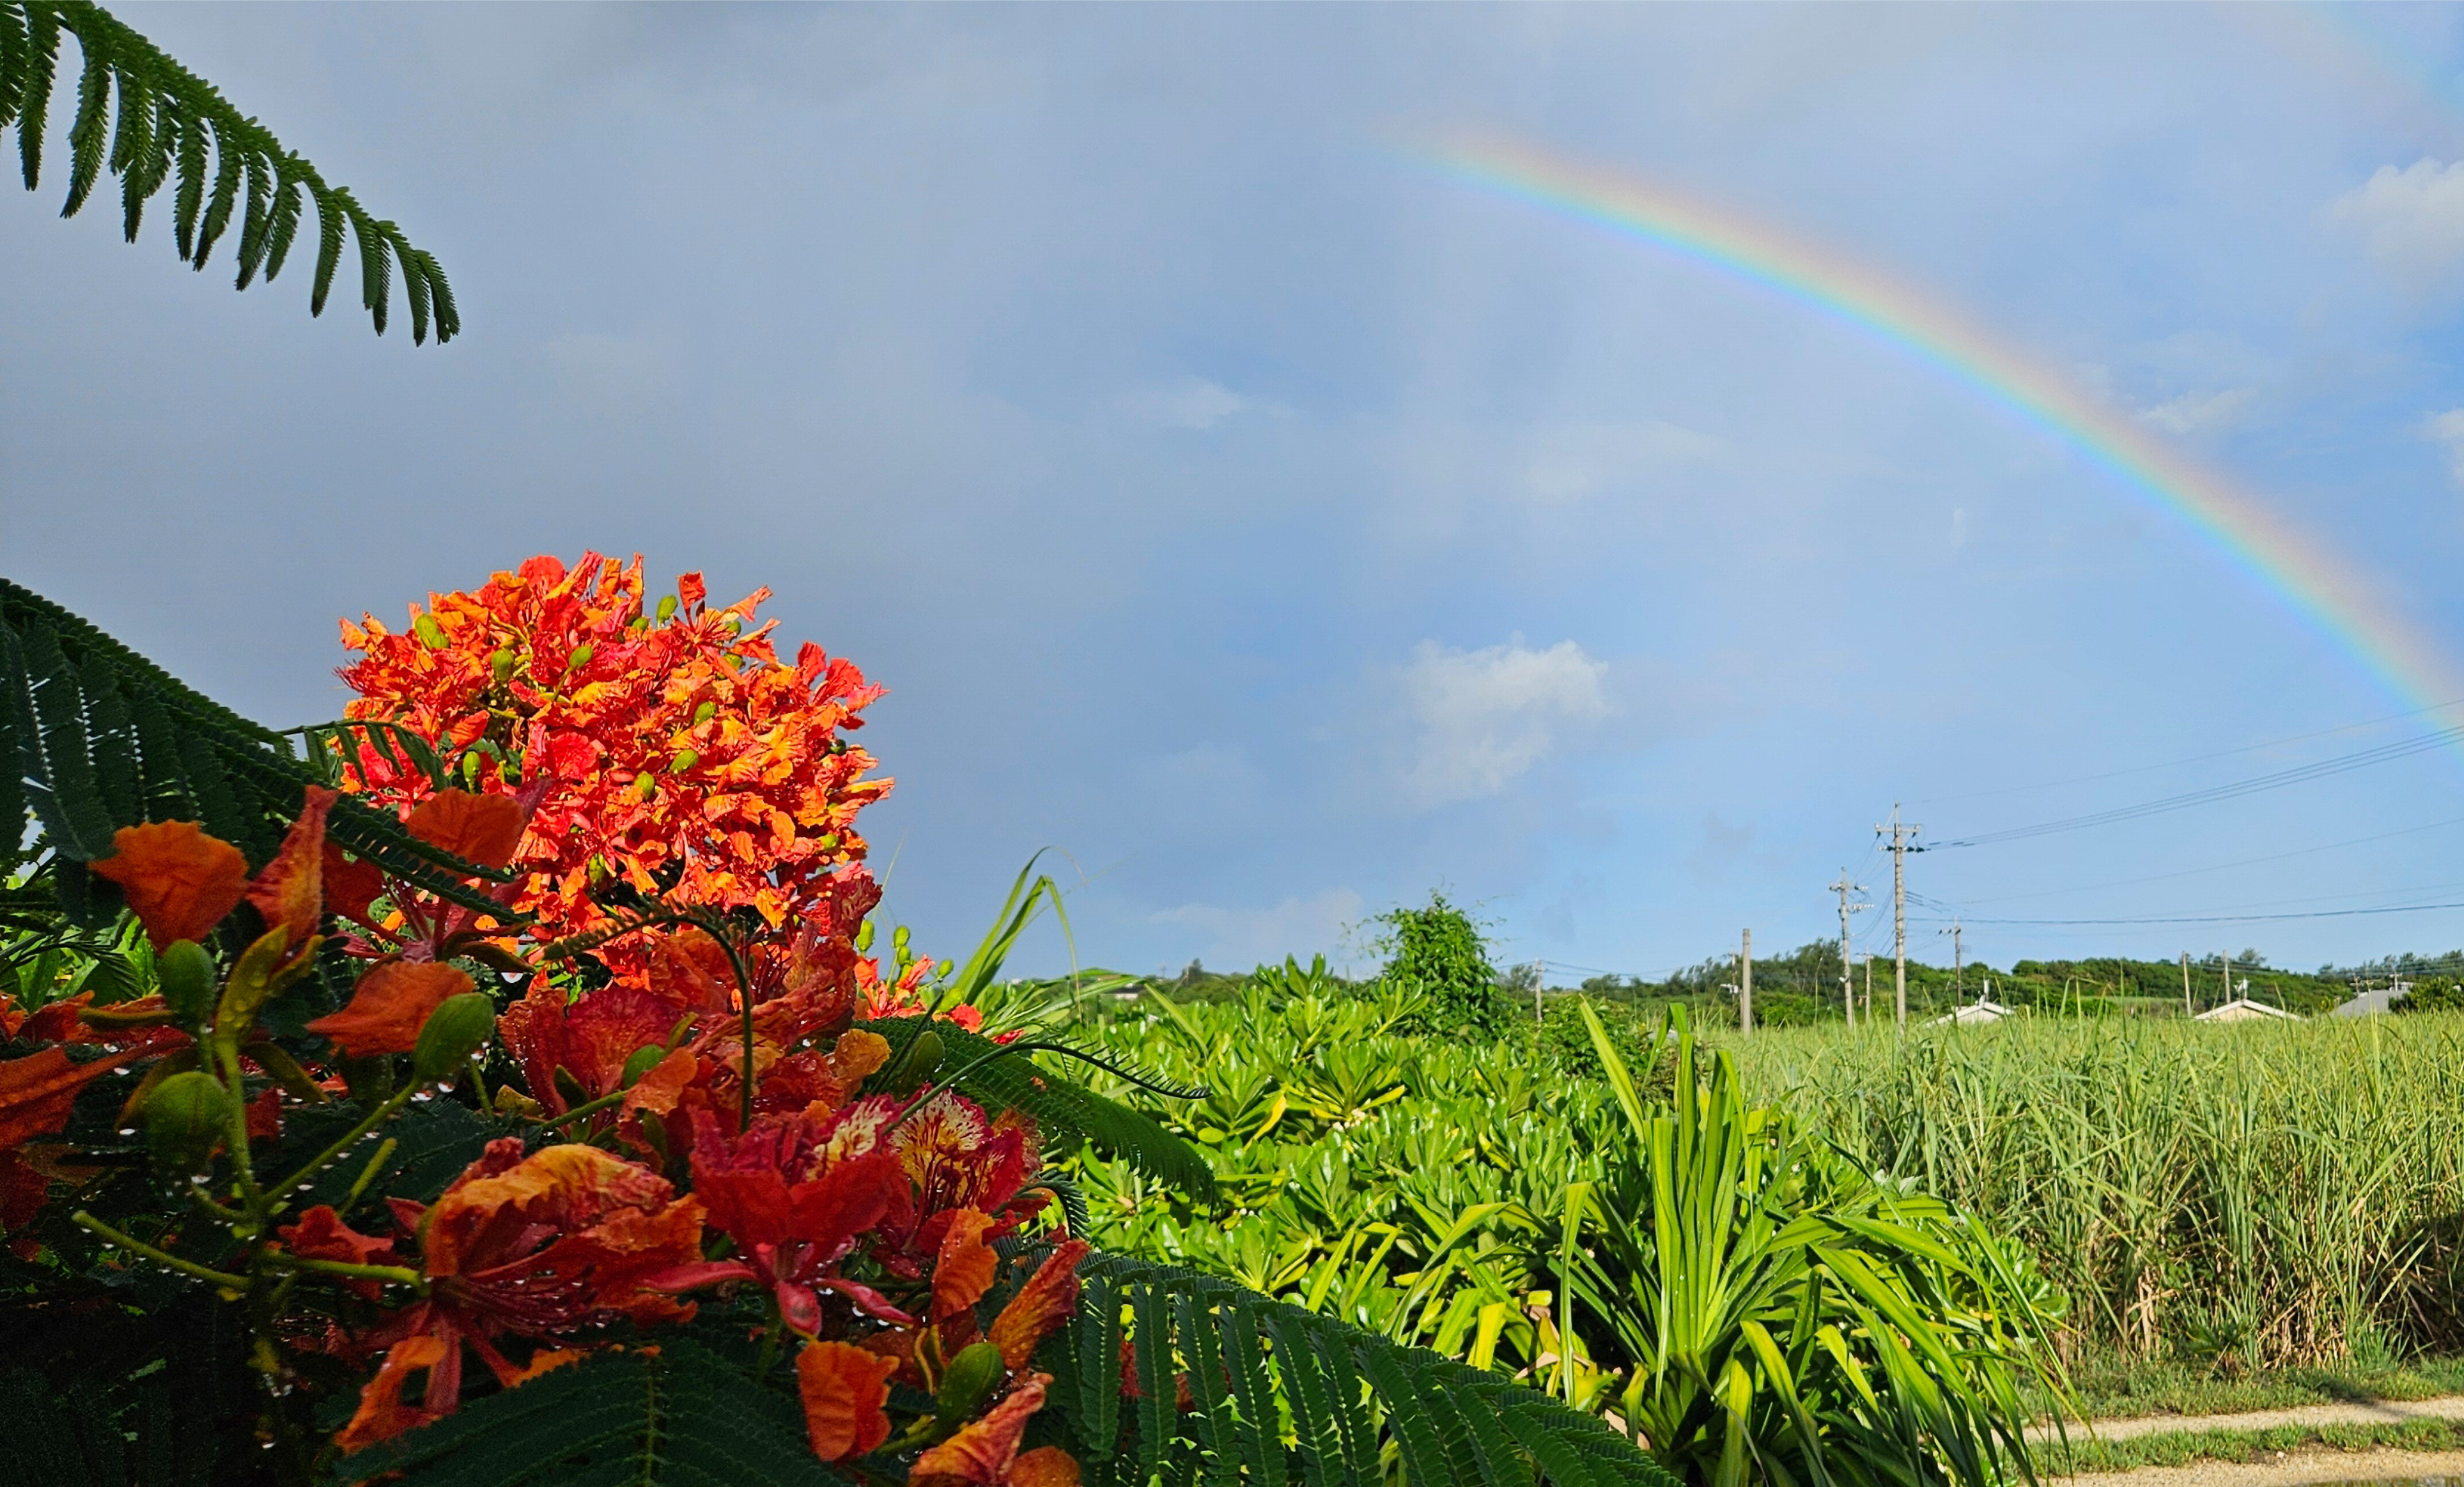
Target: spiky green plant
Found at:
x=151, y=123
x=1792, y=1321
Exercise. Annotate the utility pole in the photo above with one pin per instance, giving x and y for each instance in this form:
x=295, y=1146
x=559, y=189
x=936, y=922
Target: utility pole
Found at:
x=1746, y=986
x=1869, y=988
x=1958, y=964
x=1847, y=988
x=1900, y=849
x=1538, y=983
x=2186, y=983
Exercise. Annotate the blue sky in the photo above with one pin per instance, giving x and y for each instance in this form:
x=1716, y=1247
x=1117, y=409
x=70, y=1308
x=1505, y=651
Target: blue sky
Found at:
x=1282, y=530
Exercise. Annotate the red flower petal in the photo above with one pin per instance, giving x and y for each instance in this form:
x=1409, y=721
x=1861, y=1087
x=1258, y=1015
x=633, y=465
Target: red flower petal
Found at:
x=1046, y=1466
x=982, y=1454
x=36, y=1093
x=1042, y=1306
x=178, y=880
x=477, y=828
x=289, y=892
x=351, y=885
x=963, y=1271
x=844, y=1387
x=389, y=1006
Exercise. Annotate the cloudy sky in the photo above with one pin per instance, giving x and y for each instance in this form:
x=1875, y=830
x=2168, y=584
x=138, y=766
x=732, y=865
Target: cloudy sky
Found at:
x=1282, y=528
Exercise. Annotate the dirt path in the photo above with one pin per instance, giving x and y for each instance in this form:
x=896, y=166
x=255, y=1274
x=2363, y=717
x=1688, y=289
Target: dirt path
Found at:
x=2309, y=1468
x=2382, y=1411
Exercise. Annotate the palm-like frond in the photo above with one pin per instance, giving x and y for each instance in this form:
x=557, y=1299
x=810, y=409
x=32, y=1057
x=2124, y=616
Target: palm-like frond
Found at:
x=150, y=121
x=1259, y=1370
x=103, y=739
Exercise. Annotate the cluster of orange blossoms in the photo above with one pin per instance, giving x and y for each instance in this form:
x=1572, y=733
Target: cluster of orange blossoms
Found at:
x=669, y=747
x=672, y=751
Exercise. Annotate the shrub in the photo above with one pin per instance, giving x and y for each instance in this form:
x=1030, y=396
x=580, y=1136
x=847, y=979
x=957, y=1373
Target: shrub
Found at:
x=1437, y=951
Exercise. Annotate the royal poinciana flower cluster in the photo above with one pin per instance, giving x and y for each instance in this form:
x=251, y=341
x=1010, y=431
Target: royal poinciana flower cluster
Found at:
x=658, y=1002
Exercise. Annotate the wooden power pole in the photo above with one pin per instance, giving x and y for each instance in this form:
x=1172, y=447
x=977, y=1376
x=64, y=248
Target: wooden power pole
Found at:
x=1746, y=985
x=2186, y=983
x=1900, y=850
x=1958, y=966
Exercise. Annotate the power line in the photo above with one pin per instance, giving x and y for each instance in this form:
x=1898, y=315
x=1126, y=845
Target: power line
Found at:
x=2163, y=919
x=2191, y=872
x=2197, y=758
x=2320, y=770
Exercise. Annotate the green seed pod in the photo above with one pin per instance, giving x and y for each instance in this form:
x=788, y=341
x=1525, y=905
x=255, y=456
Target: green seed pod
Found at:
x=500, y=666
x=644, y=1059
x=915, y=1070
x=471, y=769
x=458, y=1028
x=187, y=974
x=967, y=1381
x=430, y=633
x=667, y=607
x=704, y=714
x=864, y=937
x=185, y=1116
x=685, y=759
x=581, y=656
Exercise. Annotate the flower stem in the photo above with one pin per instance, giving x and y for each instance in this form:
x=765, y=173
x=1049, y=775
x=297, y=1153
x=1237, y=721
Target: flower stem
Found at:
x=396, y=1274
x=135, y=1246
x=275, y=1194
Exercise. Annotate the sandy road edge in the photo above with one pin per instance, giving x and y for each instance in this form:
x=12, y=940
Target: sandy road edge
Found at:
x=2377, y=1411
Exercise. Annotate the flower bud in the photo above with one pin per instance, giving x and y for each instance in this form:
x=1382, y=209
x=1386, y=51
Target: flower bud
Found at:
x=646, y=785
x=685, y=759
x=581, y=656
x=185, y=1116
x=915, y=1070
x=186, y=975
x=967, y=1381
x=704, y=714
x=667, y=607
x=864, y=937
x=458, y=1028
x=501, y=666
x=471, y=769
x=734, y=624
x=430, y=633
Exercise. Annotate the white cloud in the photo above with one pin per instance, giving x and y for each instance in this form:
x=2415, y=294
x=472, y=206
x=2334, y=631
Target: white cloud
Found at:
x=1578, y=460
x=1487, y=716
x=2411, y=221
x=2195, y=412
x=2448, y=429
x=1239, y=937
x=1194, y=403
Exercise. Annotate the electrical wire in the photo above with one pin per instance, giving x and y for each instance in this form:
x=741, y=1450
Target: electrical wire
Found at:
x=2197, y=758
x=2299, y=773
x=2246, y=862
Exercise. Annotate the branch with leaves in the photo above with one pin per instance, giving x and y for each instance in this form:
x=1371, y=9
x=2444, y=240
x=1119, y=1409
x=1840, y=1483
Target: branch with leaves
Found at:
x=153, y=123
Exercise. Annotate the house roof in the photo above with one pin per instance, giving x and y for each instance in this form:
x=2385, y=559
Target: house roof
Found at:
x=2241, y=1009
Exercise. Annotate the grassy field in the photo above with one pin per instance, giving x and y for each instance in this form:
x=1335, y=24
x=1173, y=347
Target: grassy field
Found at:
x=2235, y=1197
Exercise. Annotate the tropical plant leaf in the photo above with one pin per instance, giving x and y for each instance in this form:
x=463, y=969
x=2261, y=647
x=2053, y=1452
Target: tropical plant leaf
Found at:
x=1347, y=1390
x=169, y=125
x=106, y=738
x=678, y=1416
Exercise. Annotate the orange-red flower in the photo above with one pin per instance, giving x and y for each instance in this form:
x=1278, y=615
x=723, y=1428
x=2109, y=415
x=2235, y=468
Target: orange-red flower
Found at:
x=844, y=1387
x=541, y=1247
x=985, y=1454
x=390, y=1005
x=1041, y=1307
x=795, y=1192
x=178, y=880
x=676, y=752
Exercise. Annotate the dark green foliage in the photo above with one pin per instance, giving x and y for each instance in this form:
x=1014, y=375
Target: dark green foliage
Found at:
x=680, y=1416
x=1437, y=951
x=172, y=124
x=104, y=738
x=1346, y=1391
x=2439, y=995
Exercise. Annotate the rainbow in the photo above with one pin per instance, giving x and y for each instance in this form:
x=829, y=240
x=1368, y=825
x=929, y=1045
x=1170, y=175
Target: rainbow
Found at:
x=2325, y=594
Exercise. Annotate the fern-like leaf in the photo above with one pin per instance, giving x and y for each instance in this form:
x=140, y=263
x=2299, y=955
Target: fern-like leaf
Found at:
x=168, y=125
x=1349, y=1394
x=680, y=1416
